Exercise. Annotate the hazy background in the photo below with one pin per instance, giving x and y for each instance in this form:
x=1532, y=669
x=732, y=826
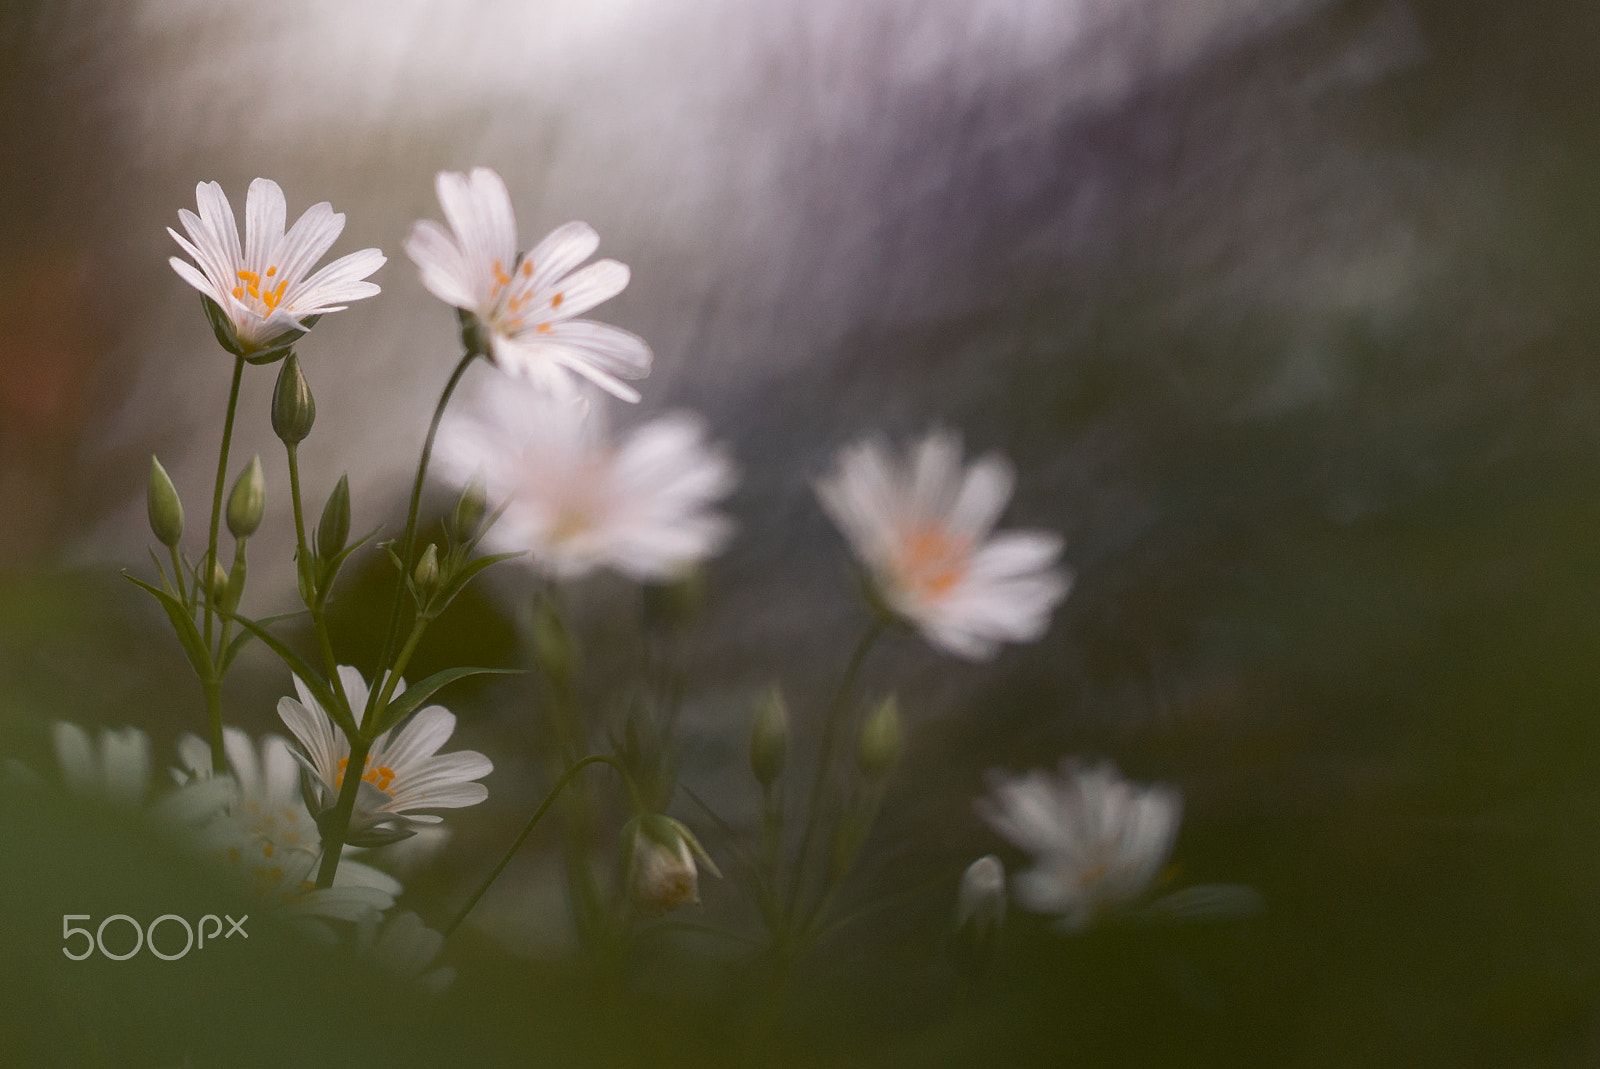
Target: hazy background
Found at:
x=1285, y=311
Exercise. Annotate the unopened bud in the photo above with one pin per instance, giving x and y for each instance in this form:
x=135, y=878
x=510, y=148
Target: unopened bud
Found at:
x=166, y=511
x=293, y=408
x=426, y=575
x=676, y=603
x=769, y=738
x=470, y=509
x=664, y=875
x=333, y=530
x=217, y=582
x=980, y=915
x=553, y=648
x=879, y=742
x=248, y=501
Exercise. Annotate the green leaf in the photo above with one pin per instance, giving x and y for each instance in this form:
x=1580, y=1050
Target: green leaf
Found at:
x=188, y=635
x=243, y=639
x=316, y=684
x=166, y=584
x=330, y=567
x=461, y=578
x=417, y=693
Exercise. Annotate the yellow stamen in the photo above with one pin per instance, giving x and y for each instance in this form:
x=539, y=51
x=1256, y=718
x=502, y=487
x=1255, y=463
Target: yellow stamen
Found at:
x=555, y=302
x=933, y=561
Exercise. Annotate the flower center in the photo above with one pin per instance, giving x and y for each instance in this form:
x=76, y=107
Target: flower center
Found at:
x=511, y=304
x=379, y=776
x=266, y=300
x=932, y=562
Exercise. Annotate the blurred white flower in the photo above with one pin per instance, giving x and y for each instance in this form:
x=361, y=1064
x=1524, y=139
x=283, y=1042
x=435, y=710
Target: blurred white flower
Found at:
x=263, y=832
x=527, y=303
x=642, y=506
x=662, y=873
x=263, y=288
x=115, y=770
x=404, y=771
x=404, y=947
x=1097, y=839
x=922, y=528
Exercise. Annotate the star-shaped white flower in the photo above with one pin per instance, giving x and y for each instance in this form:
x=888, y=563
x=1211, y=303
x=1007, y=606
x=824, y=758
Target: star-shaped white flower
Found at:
x=642, y=506
x=262, y=832
x=923, y=530
x=404, y=771
x=528, y=304
x=266, y=288
x=1097, y=839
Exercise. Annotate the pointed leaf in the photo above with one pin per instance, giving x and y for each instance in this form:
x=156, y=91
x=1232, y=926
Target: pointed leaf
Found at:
x=330, y=568
x=296, y=664
x=417, y=693
x=244, y=637
x=462, y=577
x=1206, y=902
x=188, y=635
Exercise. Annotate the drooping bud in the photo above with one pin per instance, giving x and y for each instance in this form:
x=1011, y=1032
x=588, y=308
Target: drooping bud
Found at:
x=663, y=873
x=333, y=530
x=426, y=575
x=980, y=916
x=294, y=410
x=879, y=742
x=769, y=738
x=248, y=501
x=470, y=509
x=166, y=511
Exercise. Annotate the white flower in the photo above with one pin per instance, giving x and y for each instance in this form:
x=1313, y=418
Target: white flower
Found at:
x=404, y=771
x=404, y=947
x=116, y=770
x=528, y=302
x=922, y=528
x=1097, y=839
x=263, y=832
x=263, y=288
x=641, y=506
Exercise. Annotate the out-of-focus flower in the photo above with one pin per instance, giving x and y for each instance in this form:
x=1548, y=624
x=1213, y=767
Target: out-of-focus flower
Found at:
x=527, y=304
x=1097, y=840
x=663, y=874
x=404, y=947
x=642, y=507
x=922, y=528
x=980, y=914
x=404, y=771
x=262, y=831
x=263, y=288
x=115, y=770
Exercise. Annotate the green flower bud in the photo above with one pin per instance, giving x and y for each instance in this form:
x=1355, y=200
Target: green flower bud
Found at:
x=333, y=530
x=553, y=648
x=879, y=742
x=769, y=738
x=248, y=501
x=471, y=507
x=217, y=583
x=980, y=915
x=293, y=408
x=676, y=603
x=166, y=511
x=426, y=575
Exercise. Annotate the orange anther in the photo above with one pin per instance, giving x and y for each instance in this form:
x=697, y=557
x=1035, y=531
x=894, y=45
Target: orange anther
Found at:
x=555, y=302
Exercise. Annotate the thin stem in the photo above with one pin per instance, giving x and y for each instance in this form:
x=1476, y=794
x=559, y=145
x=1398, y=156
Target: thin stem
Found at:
x=376, y=705
x=339, y=822
x=319, y=619
x=555, y=792
x=216, y=503
x=219, y=755
x=830, y=729
x=409, y=540
x=177, y=574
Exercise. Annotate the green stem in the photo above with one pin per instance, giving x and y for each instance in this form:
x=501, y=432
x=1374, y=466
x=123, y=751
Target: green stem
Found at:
x=319, y=618
x=409, y=539
x=339, y=822
x=177, y=574
x=219, y=754
x=555, y=792
x=216, y=495
x=830, y=731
